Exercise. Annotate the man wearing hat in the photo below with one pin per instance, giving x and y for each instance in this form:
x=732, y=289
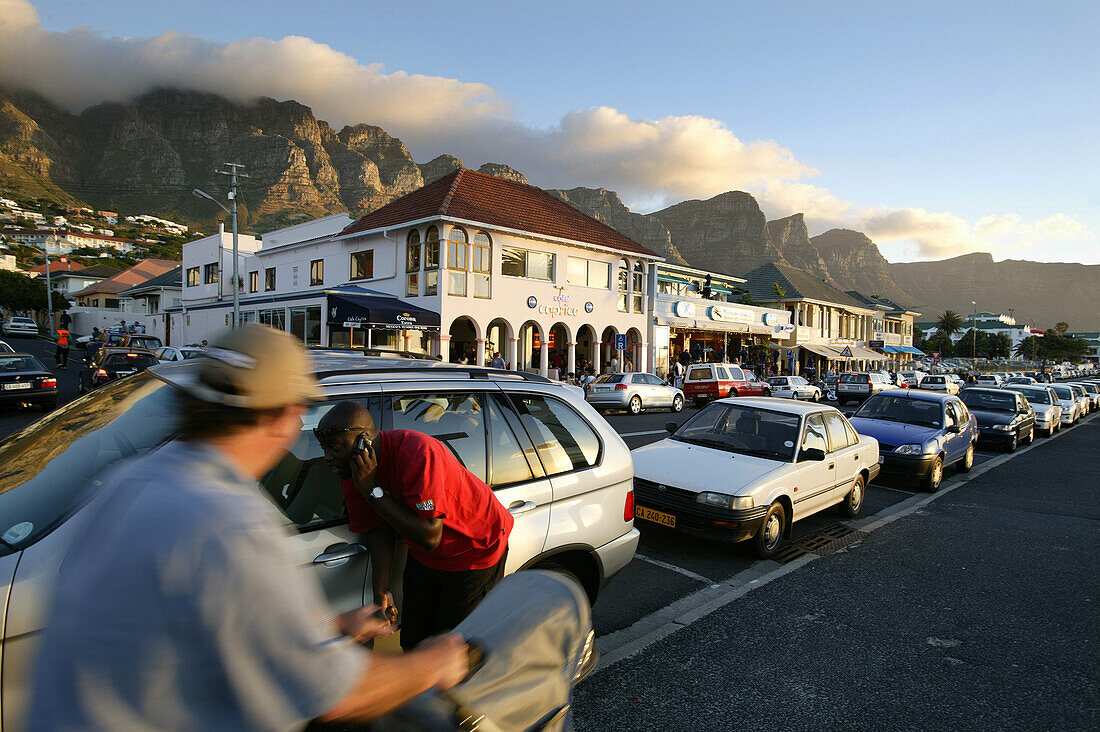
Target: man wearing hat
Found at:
x=178, y=605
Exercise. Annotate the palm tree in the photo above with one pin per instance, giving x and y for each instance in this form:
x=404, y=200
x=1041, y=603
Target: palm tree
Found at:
x=949, y=322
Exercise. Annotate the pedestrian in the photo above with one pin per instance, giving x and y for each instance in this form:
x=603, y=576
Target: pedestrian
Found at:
x=628, y=365
x=408, y=485
x=497, y=362
x=614, y=365
x=61, y=355
x=677, y=374
x=213, y=624
x=66, y=319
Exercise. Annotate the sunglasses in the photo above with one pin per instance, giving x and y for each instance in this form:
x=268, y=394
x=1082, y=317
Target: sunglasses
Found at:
x=325, y=435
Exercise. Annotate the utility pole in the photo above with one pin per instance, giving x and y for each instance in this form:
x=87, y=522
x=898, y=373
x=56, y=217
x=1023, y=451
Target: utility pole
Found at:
x=232, y=173
x=49, y=289
x=974, y=329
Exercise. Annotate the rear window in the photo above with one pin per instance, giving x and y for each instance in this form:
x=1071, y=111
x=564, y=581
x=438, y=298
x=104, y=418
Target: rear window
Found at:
x=22, y=321
x=699, y=373
x=934, y=379
x=129, y=361
x=20, y=363
x=778, y=381
x=609, y=379
x=854, y=378
x=1063, y=392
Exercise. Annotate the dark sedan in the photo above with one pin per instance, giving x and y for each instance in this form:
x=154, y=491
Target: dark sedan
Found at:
x=1004, y=417
x=23, y=379
x=109, y=364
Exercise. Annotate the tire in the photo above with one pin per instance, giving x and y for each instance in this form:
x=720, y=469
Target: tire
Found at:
x=932, y=481
x=1030, y=435
x=1013, y=443
x=732, y=393
x=767, y=392
x=677, y=403
x=635, y=406
x=816, y=398
x=770, y=537
x=853, y=502
x=964, y=465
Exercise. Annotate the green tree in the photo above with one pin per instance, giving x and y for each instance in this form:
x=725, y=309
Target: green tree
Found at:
x=19, y=293
x=949, y=322
x=1061, y=326
x=1030, y=348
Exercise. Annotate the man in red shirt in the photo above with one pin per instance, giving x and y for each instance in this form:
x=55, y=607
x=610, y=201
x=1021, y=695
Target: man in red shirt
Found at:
x=407, y=484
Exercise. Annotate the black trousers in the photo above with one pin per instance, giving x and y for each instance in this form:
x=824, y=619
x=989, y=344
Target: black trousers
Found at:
x=61, y=356
x=436, y=601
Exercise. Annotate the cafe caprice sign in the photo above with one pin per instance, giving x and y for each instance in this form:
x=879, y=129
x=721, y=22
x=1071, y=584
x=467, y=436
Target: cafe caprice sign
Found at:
x=724, y=313
x=562, y=306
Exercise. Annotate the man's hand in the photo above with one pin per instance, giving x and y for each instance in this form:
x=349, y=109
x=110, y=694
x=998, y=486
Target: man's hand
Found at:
x=361, y=625
x=363, y=467
x=385, y=601
x=449, y=657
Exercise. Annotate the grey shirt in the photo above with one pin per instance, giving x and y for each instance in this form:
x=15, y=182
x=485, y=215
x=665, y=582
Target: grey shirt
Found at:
x=179, y=607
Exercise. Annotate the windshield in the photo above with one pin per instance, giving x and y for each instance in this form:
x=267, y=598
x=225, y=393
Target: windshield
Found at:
x=45, y=467
x=1063, y=392
x=1091, y=388
x=902, y=409
x=990, y=401
x=138, y=361
x=20, y=363
x=1035, y=396
x=190, y=352
x=744, y=430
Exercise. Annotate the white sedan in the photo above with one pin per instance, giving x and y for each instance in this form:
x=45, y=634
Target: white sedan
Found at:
x=171, y=353
x=19, y=325
x=746, y=469
x=939, y=383
x=794, y=387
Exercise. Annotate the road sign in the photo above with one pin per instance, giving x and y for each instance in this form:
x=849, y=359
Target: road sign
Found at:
x=847, y=352
x=620, y=342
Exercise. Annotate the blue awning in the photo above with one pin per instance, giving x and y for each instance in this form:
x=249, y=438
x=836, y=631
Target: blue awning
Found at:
x=350, y=310
x=892, y=349
x=912, y=350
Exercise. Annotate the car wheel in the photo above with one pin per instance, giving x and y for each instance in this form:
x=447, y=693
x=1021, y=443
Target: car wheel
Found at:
x=935, y=475
x=677, y=403
x=816, y=397
x=853, y=502
x=635, y=405
x=733, y=393
x=964, y=465
x=767, y=392
x=1030, y=436
x=1013, y=443
x=770, y=537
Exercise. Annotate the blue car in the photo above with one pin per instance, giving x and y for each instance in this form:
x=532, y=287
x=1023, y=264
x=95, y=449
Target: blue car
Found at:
x=919, y=433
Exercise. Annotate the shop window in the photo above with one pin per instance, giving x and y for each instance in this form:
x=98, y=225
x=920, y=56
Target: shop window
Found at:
x=624, y=284
x=305, y=325
x=210, y=273
x=276, y=318
x=192, y=276
x=412, y=264
x=482, y=264
x=317, y=272
x=516, y=262
x=362, y=265
x=253, y=281
x=269, y=279
x=639, y=286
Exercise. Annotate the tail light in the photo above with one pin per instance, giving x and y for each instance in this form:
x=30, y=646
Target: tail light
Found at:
x=101, y=374
x=50, y=383
x=620, y=387
x=628, y=509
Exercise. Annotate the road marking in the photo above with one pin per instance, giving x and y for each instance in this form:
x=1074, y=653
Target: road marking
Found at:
x=639, y=434
x=658, y=625
x=889, y=488
x=674, y=568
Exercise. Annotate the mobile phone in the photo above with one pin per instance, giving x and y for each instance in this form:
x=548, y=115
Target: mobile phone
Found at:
x=361, y=443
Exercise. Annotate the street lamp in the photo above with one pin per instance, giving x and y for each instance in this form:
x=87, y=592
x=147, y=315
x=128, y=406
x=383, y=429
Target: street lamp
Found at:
x=49, y=289
x=974, y=330
x=233, y=213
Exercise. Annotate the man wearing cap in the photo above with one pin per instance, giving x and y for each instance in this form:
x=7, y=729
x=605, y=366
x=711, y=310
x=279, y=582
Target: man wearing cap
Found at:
x=178, y=605
x=408, y=484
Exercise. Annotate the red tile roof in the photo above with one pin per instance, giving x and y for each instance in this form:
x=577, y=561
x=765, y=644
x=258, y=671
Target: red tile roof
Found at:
x=58, y=266
x=144, y=270
x=467, y=194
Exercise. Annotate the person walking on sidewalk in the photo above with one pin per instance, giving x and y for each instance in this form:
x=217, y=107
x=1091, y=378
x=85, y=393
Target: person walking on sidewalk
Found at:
x=61, y=355
x=406, y=484
x=180, y=606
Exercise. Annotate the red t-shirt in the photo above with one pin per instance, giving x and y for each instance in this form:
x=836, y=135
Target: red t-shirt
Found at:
x=419, y=471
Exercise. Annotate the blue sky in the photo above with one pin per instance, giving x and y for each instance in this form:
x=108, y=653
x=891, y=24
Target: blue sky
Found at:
x=937, y=127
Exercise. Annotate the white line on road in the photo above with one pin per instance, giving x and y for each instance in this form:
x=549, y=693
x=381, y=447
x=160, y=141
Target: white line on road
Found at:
x=639, y=434
x=877, y=486
x=674, y=568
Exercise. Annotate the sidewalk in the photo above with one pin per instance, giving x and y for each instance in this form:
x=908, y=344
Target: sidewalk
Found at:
x=978, y=611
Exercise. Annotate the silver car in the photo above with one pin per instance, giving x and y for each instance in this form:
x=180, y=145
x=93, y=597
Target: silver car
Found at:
x=633, y=392
x=19, y=325
x=939, y=383
x=558, y=467
x=1093, y=392
x=794, y=387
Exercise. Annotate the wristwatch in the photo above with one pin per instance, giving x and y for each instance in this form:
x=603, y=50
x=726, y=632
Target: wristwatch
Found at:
x=377, y=492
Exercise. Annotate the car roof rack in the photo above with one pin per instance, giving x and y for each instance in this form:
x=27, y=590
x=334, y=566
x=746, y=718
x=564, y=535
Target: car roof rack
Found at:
x=480, y=373
x=372, y=351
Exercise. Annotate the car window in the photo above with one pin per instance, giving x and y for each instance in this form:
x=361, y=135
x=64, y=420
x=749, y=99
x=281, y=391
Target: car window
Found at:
x=457, y=419
x=951, y=417
x=653, y=380
x=853, y=437
x=699, y=373
x=19, y=363
x=563, y=440
x=743, y=429
x=509, y=464
x=723, y=374
x=854, y=379
x=123, y=361
x=903, y=409
x=750, y=376
x=608, y=379
x=994, y=401
x=639, y=379
x=814, y=436
x=47, y=465
x=778, y=381
x=962, y=412
x=834, y=426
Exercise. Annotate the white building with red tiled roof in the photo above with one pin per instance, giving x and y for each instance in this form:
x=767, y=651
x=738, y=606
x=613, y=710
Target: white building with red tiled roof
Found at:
x=464, y=267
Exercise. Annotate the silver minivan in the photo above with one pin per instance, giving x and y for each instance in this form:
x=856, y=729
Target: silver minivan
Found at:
x=556, y=464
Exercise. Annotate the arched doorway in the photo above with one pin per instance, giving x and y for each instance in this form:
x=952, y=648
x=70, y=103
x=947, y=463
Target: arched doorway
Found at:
x=586, y=350
x=607, y=350
x=558, y=350
x=498, y=339
x=632, y=360
x=463, y=341
x=530, y=336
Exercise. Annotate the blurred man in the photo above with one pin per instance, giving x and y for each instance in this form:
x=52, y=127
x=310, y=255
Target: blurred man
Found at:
x=408, y=484
x=178, y=605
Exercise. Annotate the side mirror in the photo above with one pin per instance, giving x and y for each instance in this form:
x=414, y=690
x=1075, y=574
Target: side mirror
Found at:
x=816, y=454
x=671, y=427
x=954, y=429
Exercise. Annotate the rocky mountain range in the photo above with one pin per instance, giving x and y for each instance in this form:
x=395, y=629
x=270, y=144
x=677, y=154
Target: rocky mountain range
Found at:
x=146, y=156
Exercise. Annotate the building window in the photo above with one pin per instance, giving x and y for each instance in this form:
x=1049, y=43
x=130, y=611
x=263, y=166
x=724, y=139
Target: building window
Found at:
x=210, y=273
x=305, y=325
x=269, y=279
x=362, y=265
x=317, y=272
x=110, y=302
x=639, y=285
x=253, y=281
x=624, y=284
x=516, y=262
x=590, y=273
x=276, y=318
x=431, y=261
x=192, y=276
x=457, y=252
x=412, y=264
x=482, y=264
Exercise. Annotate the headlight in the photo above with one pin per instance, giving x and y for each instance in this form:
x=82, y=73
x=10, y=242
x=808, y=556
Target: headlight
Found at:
x=1004, y=427
x=912, y=449
x=723, y=501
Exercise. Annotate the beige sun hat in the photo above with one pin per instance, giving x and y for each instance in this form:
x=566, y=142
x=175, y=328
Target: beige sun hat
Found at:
x=255, y=367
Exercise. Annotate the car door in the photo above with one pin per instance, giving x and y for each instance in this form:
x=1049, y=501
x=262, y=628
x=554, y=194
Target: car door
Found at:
x=843, y=453
x=656, y=393
x=640, y=385
x=1027, y=425
x=813, y=481
x=955, y=443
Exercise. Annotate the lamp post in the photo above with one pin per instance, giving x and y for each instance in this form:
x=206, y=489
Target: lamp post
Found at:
x=233, y=214
x=974, y=330
x=49, y=288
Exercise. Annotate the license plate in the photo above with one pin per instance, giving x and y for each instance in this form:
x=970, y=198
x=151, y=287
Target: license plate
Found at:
x=17, y=385
x=881, y=459
x=656, y=517
x=602, y=389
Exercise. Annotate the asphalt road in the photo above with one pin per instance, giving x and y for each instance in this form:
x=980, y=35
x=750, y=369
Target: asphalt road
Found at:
x=13, y=417
x=974, y=609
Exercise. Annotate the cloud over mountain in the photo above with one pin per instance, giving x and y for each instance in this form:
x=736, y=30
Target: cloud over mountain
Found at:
x=650, y=162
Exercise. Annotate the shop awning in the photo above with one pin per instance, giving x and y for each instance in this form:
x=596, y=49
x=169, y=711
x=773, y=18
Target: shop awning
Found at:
x=352, y=310
x=910, y=349
x=866, y=354
x=826, y=351
x=891, y=349
x=672, y=278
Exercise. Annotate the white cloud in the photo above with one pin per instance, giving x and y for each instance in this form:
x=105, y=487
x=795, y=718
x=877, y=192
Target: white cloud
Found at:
x=649, y=162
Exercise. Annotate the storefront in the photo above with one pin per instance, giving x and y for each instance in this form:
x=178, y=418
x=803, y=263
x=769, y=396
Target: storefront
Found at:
x=358, y=318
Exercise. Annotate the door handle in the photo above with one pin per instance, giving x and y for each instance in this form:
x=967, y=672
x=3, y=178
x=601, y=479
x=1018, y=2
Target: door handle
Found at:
x=832, y=465
x=338, y=554
x=519, y=508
